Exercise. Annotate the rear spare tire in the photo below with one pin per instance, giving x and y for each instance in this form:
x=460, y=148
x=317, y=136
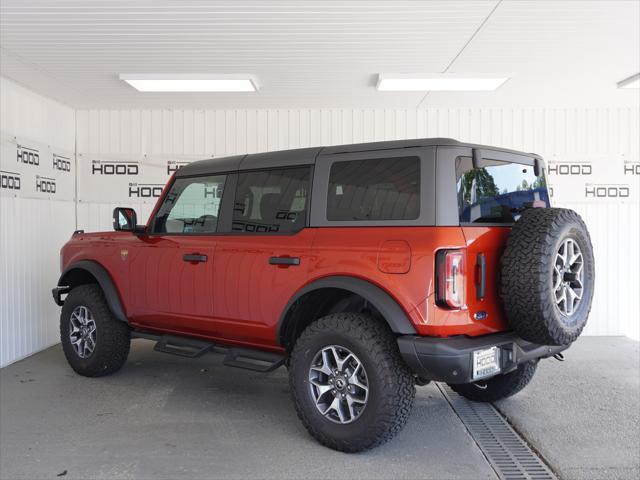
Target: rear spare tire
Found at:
x=547, y=276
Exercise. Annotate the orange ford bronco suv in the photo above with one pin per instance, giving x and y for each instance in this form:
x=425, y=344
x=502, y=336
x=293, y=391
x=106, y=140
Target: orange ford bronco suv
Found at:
x=364, y=269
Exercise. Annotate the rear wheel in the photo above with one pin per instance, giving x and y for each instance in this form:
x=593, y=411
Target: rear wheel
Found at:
x=350, y=387
x=499, y=387
x=95, y=343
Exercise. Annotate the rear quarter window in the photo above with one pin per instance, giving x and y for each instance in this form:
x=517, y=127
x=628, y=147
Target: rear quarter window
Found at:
x=374, y=189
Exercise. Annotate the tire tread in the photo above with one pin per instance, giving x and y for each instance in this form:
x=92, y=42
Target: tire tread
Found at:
x=113, y=340
x=399, y=384
x=525, y=266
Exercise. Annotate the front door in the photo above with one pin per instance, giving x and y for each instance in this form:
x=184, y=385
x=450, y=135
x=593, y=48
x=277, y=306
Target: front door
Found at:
x=172, y=267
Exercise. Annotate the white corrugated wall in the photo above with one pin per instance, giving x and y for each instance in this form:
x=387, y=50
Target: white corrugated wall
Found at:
x=604, y=139
x=34, y=229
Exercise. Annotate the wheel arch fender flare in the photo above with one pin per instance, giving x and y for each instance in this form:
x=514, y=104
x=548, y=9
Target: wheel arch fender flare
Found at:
x=388, y=307
x=102, y=277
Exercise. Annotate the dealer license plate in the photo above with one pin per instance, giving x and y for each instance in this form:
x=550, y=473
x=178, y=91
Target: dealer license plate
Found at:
x=486, y=362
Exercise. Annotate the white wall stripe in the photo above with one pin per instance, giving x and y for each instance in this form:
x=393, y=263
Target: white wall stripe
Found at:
x=33, y=230
x=606, y=137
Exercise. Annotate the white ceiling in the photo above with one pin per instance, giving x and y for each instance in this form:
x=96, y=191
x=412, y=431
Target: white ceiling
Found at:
x=322, y=53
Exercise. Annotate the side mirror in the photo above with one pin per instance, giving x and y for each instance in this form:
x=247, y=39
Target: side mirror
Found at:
x=124, y=219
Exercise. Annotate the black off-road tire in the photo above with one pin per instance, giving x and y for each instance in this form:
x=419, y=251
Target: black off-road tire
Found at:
x=391, y=384
x=526, y=285
x=113, y=336
x=499, y=387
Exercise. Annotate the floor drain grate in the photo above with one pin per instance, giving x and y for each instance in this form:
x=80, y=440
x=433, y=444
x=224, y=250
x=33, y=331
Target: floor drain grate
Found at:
x=507, y=452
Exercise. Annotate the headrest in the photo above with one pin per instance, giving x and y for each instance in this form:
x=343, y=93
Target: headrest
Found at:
x=269, y=206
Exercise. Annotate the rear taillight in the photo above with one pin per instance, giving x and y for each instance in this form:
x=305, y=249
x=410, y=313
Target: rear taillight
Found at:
x=450, y=279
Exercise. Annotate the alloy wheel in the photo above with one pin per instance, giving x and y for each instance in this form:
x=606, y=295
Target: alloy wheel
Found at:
x=568, y=277
x=339, y=384
x=82, y=331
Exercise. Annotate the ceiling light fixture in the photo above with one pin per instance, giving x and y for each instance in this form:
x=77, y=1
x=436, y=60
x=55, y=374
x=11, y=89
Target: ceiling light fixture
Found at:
x=631, y=82
x=191, y=82
x=444, y=82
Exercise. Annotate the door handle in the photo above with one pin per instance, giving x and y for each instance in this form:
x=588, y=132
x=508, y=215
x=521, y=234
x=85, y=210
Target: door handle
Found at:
x=284, y=260
x=194, y=257
x=481, y=276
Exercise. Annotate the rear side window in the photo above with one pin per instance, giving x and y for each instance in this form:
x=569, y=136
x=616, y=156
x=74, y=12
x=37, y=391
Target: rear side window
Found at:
x=374, y=189
x=271, y=201
x=497, y=192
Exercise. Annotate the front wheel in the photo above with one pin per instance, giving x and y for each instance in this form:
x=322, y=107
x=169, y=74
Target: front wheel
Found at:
x=499, y=387
x=350, y=387
x=95, y=343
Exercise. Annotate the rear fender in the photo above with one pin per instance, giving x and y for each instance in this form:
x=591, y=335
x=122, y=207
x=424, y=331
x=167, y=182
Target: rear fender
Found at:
x=388, y=307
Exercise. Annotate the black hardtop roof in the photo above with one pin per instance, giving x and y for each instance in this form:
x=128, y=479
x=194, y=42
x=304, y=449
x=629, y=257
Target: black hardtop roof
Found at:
x=307, y=156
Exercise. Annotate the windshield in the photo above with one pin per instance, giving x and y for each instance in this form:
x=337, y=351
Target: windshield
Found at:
x=497, y=192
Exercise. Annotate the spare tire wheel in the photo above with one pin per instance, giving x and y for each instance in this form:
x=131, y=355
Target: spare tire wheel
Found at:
x=547, y=276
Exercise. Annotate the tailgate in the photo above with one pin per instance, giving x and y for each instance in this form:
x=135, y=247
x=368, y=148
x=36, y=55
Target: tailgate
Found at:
x=484, y=249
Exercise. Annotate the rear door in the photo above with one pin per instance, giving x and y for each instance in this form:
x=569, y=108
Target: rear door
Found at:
x=489, y=199
x=172, y=267
x=264, y=260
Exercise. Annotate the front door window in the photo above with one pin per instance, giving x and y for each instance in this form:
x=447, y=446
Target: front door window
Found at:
x=192, y=206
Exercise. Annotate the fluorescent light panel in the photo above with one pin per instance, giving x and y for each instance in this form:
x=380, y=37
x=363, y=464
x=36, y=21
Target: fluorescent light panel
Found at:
x=438, y=82
x=191, y=82
x=632, y=82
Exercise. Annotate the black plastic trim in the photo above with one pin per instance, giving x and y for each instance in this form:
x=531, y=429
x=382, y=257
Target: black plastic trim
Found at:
x=240, y=357
x=481, y=280
x=211, y=166
x=104, y=280
x=280, y=158
x=450, y=359
x=194, y=258
x=394, y=315
x=284, y=261
x=57, y=294
x=441, y=256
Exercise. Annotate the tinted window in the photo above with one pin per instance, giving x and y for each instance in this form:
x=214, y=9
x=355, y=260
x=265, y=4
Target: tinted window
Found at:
x=271, y=201
x=498, y=191
x=191, y=206
x=376, y=189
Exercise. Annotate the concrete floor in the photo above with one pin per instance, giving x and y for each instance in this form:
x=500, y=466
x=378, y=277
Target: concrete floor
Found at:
x=168, y=417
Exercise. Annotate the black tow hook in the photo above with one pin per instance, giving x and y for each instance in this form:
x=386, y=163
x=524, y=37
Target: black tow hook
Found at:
x=559, y=357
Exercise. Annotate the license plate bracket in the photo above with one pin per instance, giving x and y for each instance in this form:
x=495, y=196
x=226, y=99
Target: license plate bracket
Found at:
x=486, y=363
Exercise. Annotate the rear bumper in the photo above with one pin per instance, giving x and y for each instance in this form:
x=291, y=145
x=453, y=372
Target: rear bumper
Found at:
x=451, y=359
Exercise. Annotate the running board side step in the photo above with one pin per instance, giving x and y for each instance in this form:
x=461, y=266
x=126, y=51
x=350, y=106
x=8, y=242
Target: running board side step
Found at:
x=255, y=360
x=245, y=358
x=183, y=347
